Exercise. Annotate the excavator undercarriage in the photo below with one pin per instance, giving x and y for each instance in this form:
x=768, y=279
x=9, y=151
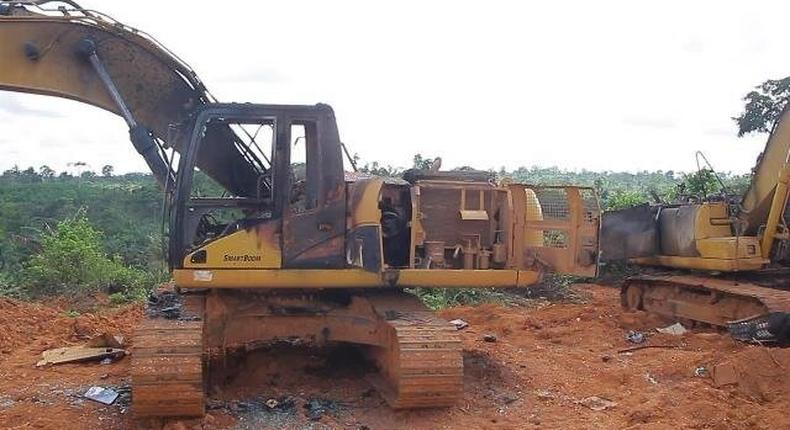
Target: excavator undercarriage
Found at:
x=749, y=311
x=418, y=355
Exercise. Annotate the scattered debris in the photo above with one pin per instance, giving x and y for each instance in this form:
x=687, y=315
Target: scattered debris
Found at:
x=637, y=348
x=106, y=339
x=6, y=402
x=105, y=347
x=676, y=329
x=544, y=394
x=102, y=395
x=459, y=324
x=169, y=305
x=701, y=371
x=597, y=403
x=773, y=328
x=489, y=337
x=508, y=398
x=634, y=336
x=71, y=354
x=316, y=408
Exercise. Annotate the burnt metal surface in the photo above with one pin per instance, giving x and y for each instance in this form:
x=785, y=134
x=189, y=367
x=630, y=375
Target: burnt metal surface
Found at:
x=414, y=175
x=677, y=231
x=364, y=248
x=314, y=226
x=629, y=233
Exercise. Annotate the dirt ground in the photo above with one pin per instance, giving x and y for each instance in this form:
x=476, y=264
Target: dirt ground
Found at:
x=546, y=360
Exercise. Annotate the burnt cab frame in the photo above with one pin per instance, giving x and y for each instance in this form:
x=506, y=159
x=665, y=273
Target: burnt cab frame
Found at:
x=312, y=236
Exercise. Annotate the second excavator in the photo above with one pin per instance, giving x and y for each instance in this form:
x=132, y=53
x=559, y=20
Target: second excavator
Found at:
x=730, y=254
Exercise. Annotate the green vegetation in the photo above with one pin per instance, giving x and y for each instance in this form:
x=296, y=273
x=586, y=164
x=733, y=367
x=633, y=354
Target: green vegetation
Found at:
x=73, y=235
x=64, y=234
x=77, y=235
x=763, y=106
x=72, y=261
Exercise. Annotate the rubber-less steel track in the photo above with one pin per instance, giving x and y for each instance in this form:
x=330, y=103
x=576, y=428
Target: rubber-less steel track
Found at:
x=709, y=300
x=423, y=366
x=167, y=369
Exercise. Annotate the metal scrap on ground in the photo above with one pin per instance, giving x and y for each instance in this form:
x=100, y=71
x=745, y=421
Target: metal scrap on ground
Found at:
x=102, y=395
x=102, y=347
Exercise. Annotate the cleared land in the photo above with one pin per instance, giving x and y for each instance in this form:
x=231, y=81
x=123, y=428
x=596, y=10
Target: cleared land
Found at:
x=547, y=358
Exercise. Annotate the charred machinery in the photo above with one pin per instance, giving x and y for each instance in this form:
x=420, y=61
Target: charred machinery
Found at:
x=269, y=238
x=731, y=253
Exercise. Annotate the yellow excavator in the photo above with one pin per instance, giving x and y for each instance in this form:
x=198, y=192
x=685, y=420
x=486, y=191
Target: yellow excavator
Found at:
x=731, y=255
x=270, y=239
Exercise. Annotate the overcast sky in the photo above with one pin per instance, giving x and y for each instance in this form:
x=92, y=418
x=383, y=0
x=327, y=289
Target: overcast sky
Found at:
x=576, y=84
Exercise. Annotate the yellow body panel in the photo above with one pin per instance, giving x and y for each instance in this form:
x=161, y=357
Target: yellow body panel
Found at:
x=699, y=263
x=729, y=247
x=254, y=248
x=351, y=278
x=365, y=206
x=712, y=221
x=715, y=248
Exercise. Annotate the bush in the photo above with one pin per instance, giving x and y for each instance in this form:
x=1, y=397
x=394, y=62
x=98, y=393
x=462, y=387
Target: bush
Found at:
x=621, y=199
x=72, y=262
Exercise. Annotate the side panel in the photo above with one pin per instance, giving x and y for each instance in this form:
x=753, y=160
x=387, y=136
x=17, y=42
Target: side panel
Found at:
x=629, y=233
x=256, y=247
x=561, y=226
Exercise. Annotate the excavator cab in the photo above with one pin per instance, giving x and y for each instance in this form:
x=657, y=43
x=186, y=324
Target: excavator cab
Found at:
x=298, y=208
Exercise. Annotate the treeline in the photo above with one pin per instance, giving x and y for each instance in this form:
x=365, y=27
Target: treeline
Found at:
x=81, y=233
x=615, y=190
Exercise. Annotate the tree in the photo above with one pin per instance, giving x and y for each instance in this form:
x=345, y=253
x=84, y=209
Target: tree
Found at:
x=422, y=163
x=699, y=184
x=763, y=106
x=12, y=172
x=46, y=172
x=107, y=170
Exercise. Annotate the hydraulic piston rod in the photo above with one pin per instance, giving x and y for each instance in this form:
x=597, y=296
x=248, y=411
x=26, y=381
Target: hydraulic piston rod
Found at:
x=140, y=136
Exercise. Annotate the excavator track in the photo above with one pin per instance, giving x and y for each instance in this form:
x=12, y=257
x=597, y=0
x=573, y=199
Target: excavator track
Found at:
x=167, y=368
x=421, y=364
x=742, y=307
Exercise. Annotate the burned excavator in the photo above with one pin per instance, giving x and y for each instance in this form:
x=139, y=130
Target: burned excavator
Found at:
x=270, y=239
x=730, y=254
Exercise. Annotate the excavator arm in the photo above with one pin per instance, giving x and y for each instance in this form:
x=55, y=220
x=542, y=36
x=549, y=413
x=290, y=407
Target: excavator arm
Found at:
x=765, y=202
x=70, y=52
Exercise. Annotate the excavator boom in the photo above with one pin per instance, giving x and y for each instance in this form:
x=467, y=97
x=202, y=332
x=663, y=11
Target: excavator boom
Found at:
x=86, y=56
